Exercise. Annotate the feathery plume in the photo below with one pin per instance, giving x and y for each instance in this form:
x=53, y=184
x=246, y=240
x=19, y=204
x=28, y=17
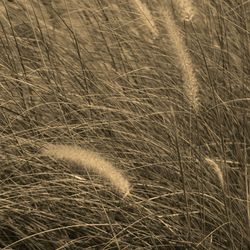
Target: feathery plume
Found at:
x=216, y=169
x=147, y=17
x=183, y=59
x=91, y=161
x=186, y=9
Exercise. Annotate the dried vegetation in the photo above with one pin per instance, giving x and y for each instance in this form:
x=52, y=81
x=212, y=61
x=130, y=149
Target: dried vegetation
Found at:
x=113, y=77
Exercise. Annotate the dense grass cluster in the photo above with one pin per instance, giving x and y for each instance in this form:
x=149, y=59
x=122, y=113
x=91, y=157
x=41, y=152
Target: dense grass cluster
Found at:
x=160, y=89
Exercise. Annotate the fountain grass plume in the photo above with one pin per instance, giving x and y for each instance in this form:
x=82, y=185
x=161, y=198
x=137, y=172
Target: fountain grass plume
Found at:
x=186, y=9
x=183, y=60
x=217, y=170
x=91, y=161
x=147, y=17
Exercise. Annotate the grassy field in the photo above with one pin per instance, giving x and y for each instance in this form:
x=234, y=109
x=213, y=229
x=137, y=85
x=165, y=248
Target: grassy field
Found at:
x=160, y=89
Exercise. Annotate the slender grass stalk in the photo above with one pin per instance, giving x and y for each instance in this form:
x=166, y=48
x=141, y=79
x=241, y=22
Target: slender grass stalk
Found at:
x=248, y=208
x=182, y=172
x=91, y=161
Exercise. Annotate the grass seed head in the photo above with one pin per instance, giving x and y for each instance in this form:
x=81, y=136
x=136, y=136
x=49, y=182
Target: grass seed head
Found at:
x=217, y=170
x=91, y=161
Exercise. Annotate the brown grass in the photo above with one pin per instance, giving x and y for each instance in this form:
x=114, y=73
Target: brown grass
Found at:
x=89, y=73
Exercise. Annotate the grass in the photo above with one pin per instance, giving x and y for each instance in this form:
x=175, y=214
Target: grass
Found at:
x=105, y=76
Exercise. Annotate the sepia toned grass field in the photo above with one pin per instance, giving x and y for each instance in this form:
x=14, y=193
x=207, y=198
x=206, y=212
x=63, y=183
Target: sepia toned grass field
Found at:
x=153, y=96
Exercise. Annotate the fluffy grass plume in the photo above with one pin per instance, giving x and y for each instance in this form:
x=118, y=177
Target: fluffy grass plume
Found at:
x=183, y=59
x=147, y=17
x=91, y=161
x=186, y=9
x=217, y=170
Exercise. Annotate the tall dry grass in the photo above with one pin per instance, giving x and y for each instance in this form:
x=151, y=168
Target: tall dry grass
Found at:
x=88, y=71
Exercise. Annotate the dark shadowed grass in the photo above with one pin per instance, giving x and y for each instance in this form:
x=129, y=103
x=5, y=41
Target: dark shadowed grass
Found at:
x=91, y=74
